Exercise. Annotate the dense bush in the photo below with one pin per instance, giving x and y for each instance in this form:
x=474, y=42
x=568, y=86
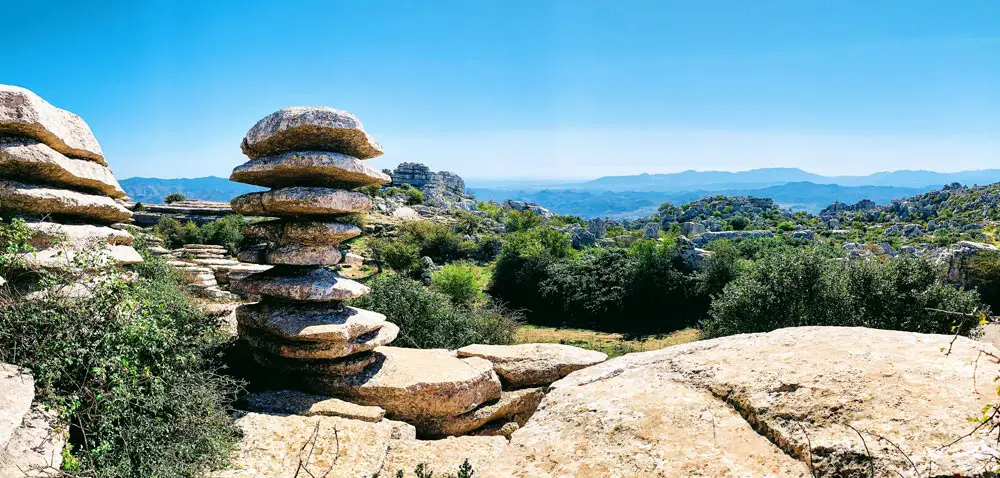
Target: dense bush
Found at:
x=644, y=289
x=224, y=232
x=130, y=368
x=983, y=274
x=463, y=282
x=801, y=287
x=429, y=319
x=174, y=197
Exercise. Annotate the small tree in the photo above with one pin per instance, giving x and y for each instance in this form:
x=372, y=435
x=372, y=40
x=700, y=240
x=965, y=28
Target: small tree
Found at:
x=174, y=197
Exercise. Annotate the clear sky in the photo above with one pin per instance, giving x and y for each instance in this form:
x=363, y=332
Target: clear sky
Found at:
x=529, y=89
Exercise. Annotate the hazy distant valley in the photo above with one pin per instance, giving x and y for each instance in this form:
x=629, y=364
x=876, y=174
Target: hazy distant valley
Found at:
x=640, y=195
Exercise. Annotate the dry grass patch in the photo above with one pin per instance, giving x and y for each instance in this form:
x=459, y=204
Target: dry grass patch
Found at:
x=611, y=344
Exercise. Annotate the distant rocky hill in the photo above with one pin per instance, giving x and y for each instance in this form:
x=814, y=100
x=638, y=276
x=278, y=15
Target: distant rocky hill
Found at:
x=211, y=188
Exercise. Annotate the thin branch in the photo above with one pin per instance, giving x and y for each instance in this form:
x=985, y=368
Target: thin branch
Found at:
x=871, y=461
x=812, y=469
x=916, y=471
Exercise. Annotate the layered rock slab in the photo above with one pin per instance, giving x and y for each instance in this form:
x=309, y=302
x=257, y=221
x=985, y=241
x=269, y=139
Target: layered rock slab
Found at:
x=23, y=113
x=312, y=350
x=30, y=160
x=302, y=202
x=515, y=406
x=768, y=405
x=308, y=168
x=35, y=448
x=288, y=446
x=441, y=457
x=292, y=232
x=527, y=365
x=415, y=384
x=310, y=322
x=43, y=201
x=288, y=402
x=310, y=128
x=301, y=284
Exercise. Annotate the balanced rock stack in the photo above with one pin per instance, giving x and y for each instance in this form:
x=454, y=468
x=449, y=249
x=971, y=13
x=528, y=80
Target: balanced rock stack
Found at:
x=53, y=173
x=312, y=157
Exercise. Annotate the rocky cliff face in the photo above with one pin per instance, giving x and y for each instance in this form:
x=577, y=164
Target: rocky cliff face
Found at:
x=441, y=189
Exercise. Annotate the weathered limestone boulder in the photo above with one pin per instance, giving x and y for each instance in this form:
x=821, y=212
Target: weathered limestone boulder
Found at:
x=303, y=284
x=320, y=350
x=415, y=384
x=302, y=255
x=958, y=255
x=57, y=246
x=287, y=402
x=310, y=322
x=23, y=113
x=350, y=365
x=17, y=390
x=302, y=202
x=310, y=128
x=35, y=448
x=287, y=232
x=308, y=168
x=290, y=446
x=515, y=406
x=774, y=404
x=30, y=160
x=527, y=365
x=44, y=200
x=441, y=457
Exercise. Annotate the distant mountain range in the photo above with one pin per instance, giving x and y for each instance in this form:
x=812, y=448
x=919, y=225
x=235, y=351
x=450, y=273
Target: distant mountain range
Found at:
x=802, y=196
x=640, y=195
x=211, y=188
x=757, y=178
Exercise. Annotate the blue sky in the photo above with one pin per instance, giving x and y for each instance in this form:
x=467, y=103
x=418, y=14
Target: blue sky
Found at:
x=529, y=89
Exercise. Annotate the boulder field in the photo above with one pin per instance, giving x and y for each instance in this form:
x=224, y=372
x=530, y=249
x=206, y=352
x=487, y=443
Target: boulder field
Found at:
x=797, y=402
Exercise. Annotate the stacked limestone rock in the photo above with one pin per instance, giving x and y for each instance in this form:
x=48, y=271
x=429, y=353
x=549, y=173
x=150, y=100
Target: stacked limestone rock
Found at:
x=53, y=173
x=300, y=329
x=206, y=267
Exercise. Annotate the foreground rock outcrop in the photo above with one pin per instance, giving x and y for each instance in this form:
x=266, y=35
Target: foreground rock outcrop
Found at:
x=29, y=444
x=53, y=174
x=800, y=402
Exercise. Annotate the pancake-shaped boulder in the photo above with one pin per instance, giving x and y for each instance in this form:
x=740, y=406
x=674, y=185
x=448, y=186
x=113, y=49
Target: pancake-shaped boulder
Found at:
x=309, y=322
x=23, y=113
x=303, y=284
x=302, y=202
x=33, y=161
x=310, y=128
x=308, y=168
x=44, y=201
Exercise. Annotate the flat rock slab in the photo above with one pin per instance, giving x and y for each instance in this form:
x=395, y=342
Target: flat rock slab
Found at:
x=302, y=202
x=293, y=283
x=32, y=161
x=23, y=113
x=35, y=449
x=69, y=257
x=350, y=365
x=42, y=200
x=302, y=255
x=289, y=402
x=527, y=365
x=768, y=405
x=309, y=322
x=441, y=457
x=51, y=234
x=302, y=232
x=310, y=128
x=415, y=384
x=17, y=390
x=289, y=446
x=308, y=168
x=320, y=350
x=516, y=406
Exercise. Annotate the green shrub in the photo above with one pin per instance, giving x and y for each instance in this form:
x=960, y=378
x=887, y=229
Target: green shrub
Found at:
x=174, y=197
x=983, y=274
x=429, y=319
x=131, y=369
x=398, y=254
x=463, y=282
x=224, y=232
x=801, y=287
x=413, y=195
x=520, y=221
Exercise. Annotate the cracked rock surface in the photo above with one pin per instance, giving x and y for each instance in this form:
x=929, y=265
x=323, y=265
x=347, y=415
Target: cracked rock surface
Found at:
x=785, y=404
